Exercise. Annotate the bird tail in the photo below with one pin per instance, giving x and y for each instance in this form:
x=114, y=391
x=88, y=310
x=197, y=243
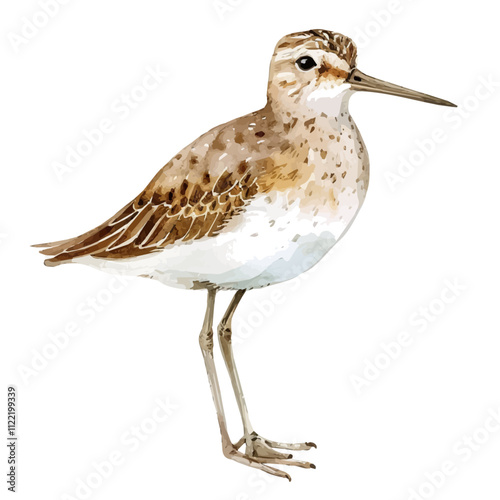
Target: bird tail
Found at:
x=57, y=250
x=88, y=243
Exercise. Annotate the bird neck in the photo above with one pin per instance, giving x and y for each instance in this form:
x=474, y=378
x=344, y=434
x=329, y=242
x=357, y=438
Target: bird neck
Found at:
x=321, y=114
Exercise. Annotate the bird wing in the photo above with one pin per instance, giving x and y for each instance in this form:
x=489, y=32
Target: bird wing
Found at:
x=193, y=196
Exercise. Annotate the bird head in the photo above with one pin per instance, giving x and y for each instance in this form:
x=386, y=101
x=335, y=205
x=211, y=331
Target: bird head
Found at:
x=316, y=72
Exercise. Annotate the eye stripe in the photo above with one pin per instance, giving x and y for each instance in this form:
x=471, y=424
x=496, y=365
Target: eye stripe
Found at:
x=325, y=70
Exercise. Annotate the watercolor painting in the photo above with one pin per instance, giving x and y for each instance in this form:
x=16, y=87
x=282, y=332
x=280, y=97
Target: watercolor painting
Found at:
x=251, y=203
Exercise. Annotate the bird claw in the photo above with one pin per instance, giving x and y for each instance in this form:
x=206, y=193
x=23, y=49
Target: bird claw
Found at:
x=260, y=451
x=254, y=439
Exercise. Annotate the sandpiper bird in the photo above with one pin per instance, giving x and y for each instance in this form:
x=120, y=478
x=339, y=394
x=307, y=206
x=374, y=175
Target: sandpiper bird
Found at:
x=253, y=202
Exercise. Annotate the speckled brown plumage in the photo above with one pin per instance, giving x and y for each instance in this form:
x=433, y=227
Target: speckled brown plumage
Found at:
x=211, y=181
x=191, y=199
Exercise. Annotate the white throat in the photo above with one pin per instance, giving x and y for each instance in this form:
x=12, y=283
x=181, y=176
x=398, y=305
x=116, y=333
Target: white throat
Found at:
x=330, y=101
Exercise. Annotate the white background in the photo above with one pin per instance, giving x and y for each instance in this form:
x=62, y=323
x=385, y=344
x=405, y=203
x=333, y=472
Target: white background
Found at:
x=298, y=357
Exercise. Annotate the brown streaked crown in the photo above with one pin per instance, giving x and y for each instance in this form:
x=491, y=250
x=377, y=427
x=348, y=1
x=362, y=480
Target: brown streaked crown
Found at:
x=337, y=43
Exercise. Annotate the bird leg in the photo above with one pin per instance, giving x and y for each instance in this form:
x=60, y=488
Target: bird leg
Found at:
x=207, y=349
x=257, y=447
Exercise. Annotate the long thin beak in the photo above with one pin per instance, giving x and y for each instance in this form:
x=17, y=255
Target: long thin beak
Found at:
x=360, y=81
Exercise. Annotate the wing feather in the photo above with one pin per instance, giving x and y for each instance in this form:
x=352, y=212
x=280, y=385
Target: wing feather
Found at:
x=194, y=196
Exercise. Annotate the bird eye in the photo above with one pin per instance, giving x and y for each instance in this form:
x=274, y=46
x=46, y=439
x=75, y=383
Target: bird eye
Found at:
x=305, y=63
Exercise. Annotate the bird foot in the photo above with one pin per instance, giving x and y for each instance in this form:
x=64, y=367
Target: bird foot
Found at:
x=260, y=451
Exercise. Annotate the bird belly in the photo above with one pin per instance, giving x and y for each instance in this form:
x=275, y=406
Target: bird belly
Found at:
x=274, y=240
